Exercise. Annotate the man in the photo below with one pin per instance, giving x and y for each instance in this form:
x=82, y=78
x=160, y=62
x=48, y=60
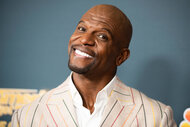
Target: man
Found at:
x=92, y=96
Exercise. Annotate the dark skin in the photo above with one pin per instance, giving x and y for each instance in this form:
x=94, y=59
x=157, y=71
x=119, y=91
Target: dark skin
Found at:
x=98, y=45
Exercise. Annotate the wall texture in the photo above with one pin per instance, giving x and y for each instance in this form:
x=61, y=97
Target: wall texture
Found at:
x=34, y=37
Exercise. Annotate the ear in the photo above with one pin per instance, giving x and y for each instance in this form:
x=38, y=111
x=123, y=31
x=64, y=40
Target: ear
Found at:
x=124, y=54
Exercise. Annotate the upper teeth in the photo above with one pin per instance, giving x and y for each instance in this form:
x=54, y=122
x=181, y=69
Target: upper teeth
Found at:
x=82, y=53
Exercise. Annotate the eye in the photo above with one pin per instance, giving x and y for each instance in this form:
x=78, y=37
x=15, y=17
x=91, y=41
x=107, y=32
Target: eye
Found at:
x=103, y=37
x=81, y=29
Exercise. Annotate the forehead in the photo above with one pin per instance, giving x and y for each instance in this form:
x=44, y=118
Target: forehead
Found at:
x=97, y=20
x=108, y=15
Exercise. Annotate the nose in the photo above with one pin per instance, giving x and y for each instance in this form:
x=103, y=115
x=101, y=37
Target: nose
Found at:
x=87, y=39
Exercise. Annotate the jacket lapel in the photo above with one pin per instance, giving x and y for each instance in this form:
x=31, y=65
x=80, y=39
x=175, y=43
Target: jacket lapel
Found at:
x=60, y=107
x=122, y=106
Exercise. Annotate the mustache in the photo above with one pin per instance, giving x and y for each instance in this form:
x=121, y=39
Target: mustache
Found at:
x=79, y=46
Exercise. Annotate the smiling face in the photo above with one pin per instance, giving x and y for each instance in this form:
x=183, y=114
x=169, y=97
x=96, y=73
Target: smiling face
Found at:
x=95, y=45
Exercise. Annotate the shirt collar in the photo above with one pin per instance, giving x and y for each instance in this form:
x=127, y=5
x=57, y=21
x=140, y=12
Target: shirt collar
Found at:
x=105, y=91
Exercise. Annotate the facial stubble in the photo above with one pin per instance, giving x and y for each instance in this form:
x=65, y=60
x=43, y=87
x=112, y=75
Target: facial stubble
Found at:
x=80, y=70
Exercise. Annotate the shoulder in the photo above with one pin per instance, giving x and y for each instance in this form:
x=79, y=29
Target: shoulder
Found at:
x=150, y=109
x=30, y=108
x=138, y=96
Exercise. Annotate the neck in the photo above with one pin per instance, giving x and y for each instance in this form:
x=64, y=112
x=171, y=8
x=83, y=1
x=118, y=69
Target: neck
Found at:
x=89, y=87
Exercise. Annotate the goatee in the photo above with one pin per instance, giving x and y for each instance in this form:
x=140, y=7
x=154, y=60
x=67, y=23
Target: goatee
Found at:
x=78, y=70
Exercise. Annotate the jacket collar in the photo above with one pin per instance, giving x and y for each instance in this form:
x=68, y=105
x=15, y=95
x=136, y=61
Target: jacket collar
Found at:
x=122, y=107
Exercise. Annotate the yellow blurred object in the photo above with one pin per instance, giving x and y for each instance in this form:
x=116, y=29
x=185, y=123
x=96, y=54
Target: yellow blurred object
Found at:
x=184, y=124
x=4, y=99
x=5, y=110
x=12, y=99
x=3, y=123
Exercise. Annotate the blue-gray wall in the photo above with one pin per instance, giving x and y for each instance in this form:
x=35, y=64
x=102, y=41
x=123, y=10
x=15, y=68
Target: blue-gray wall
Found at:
x=34, y=37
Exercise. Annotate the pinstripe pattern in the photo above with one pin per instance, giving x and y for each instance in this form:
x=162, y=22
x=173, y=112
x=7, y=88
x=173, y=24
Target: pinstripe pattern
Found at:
x=126, y=107
x=153, y=114
x=35, y=111
x=26, y=115
x=128, y=116
x=52, y=116
x=117, y=116
x=34, y=115
x=143, y=110
x=41, y=120
x=131, y=110
x=61, y=116
x=108, y=113
x=161, y=113
x=123, y=100
x=20, y=113
x=121, y=93
x=15, y=118
x=160, y=109
x=167, y=118
x=70, y=114
x=132, y=95
x=137, y=121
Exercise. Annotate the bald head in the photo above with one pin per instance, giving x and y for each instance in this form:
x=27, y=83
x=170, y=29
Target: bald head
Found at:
x=100, y=41
x=116, y=19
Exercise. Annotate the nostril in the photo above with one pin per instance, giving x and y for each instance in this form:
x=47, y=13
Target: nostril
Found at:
x=89, y=43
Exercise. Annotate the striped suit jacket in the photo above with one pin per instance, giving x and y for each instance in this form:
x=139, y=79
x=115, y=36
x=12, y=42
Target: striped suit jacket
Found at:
x=127, y=107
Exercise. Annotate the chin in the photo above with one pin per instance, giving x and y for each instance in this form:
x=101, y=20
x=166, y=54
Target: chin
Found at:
x=78, y=70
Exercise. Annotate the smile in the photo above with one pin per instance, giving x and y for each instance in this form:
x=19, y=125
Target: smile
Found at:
x=82, y=54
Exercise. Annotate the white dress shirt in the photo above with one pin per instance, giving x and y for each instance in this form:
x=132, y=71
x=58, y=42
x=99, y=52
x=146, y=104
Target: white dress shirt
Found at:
x=85, y=119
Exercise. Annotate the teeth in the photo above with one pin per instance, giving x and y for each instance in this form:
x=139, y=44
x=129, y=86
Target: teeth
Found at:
x=82, y=53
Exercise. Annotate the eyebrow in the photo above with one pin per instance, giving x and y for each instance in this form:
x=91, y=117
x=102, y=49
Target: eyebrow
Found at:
x=81, y=21
x=108, y=31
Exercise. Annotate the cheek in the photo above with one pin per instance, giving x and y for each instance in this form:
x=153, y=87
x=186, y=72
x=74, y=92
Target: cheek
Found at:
x=72, y=40
x=111, y=54
x=74, y=37
x=106, y=53
x=69, y=46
